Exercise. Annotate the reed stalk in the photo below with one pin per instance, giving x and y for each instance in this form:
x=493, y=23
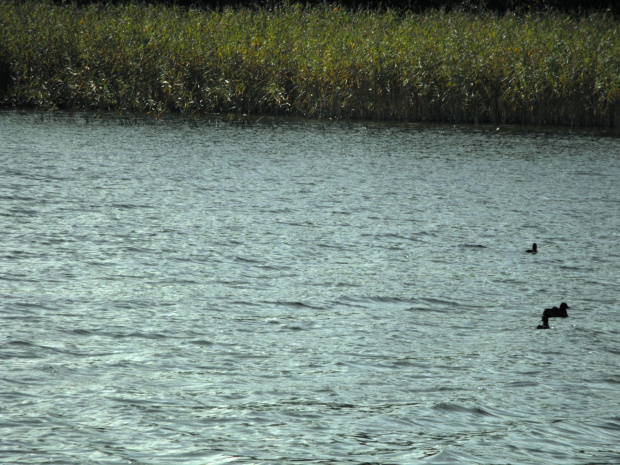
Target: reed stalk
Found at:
x=319, y=61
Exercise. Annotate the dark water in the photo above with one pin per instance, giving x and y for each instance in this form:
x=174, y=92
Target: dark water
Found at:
x=299, y=292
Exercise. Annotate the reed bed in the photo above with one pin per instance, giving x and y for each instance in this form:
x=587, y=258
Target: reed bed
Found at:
x=320, y=61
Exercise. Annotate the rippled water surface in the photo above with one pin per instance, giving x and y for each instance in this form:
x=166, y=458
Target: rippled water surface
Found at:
x=297, y=292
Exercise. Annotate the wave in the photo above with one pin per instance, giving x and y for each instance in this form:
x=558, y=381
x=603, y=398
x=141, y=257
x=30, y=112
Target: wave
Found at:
x=295, y=304
x=458, y=408
x=201, y=343
x=139, y=334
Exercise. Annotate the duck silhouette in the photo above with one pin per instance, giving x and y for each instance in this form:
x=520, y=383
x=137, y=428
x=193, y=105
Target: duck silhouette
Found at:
x=556, y=312
x=534, y=248
x=545, y=324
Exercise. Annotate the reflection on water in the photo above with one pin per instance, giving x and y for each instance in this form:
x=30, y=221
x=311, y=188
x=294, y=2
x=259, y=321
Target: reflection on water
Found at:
x=281, y=291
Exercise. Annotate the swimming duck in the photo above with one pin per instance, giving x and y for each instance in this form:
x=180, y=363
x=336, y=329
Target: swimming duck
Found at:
x=533, y=249
x=556, y=312
x=545, y=324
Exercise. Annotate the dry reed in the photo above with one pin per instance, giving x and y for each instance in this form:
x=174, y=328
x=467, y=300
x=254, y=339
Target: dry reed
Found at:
x=322, y=61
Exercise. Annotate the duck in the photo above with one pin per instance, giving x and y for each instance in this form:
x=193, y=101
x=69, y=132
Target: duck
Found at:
x=556, y=312
x=545, y=324
x=533, y=249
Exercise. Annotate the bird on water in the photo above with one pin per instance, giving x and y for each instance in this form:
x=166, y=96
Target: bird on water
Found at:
x=555, y=312
x=534, y=249
x=545, y=324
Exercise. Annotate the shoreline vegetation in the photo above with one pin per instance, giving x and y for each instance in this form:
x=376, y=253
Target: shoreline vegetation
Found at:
x=322, y=61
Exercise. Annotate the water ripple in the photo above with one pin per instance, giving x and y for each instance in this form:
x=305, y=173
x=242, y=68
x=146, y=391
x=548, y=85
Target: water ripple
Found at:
x=321, y=293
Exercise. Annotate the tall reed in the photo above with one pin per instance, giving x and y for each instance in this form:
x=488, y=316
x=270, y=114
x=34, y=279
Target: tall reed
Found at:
x=321, y=61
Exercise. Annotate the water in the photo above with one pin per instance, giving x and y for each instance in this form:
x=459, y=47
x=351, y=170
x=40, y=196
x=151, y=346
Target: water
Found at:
x=301, y=292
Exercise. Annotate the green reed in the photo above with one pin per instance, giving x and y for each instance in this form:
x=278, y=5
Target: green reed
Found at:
x=322, y=61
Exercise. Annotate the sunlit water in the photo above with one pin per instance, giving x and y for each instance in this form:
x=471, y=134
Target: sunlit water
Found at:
x=297, y=292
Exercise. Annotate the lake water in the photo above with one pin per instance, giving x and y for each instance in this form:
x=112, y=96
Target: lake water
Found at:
x=278, y=292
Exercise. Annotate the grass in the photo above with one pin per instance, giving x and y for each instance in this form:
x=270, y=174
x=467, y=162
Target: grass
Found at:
x=321, y=61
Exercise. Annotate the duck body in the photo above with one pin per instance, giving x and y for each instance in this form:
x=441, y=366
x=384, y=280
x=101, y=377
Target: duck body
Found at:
x=534, y=249
x=556, y=312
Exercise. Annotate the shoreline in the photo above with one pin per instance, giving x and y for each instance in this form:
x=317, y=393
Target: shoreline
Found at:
x=198, y=120
x=313, y=62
